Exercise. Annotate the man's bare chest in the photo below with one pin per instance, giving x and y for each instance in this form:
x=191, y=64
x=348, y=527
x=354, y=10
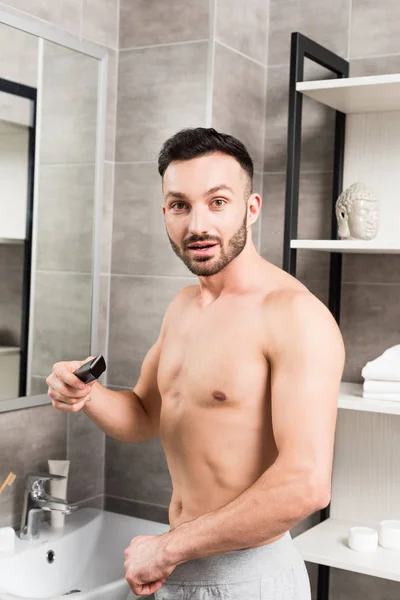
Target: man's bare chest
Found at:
x=214, y=359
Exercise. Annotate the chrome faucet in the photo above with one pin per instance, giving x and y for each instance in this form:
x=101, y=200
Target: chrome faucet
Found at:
x=36, y=500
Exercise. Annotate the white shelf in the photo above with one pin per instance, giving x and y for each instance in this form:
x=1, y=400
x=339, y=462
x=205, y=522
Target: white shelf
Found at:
x=326, y=544
x=349, y=246
x=351, y=398
x=356, y=94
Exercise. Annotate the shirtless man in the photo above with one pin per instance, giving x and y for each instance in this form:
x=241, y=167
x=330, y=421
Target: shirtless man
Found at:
x=241, y=386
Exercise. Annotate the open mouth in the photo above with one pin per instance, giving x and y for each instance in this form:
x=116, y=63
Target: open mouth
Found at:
x=200, y=250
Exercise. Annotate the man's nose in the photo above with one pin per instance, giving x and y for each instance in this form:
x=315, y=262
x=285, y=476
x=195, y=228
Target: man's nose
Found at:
x=198, y=222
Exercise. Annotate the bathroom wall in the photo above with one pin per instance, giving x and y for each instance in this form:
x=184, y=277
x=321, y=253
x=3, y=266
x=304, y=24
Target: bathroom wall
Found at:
x=29, y=437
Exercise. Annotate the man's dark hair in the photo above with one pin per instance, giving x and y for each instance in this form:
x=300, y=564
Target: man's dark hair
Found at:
x=199, y=141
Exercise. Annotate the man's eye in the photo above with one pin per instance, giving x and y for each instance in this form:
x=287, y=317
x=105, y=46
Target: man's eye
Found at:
x=176, y=204
x=219, y=200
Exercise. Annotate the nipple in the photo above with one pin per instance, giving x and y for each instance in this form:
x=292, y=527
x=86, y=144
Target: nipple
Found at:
x=219, y=396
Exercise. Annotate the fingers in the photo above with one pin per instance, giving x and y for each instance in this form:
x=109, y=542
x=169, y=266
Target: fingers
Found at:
x=63, y=406
x=146, y=588
x=68, y=392
x=64, y=371
x=60, y=391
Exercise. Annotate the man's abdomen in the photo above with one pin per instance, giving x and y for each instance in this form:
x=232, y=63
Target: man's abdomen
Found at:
x=214, y=455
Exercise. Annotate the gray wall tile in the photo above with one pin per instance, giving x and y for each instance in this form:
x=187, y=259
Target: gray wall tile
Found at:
x=28, y=438
x=314, y=205
x=160, y=90
x=39, y=386
x=11, y=256
x=137, y=307
x=272, y=218
x=140, y=242
x=86, y=451
x=145, y=23
x=314, y=221
x=317, y=133
x=11, y=280
x=107, y=217
x=369, y=322
x=377, y=65
x=65, y=218
x=374, y=28
x=348, y=584
x=96, y=502
x=100, y=21
x=238, y=100
x=103, y=316
x=61, y=328
x=19, y=55
x=69, y=106
x=243, y=25
x=325, y=22
x=142, y=510
x=256, y=227
x=64, y=13
x=133, y=469
x=371, y=268
x=111, y=123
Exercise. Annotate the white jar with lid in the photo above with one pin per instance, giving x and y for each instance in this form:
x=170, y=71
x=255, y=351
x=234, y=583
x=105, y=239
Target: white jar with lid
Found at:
x=363, y=539
x=389, y=534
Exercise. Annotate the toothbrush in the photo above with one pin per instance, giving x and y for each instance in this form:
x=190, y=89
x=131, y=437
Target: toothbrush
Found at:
x=9, y=480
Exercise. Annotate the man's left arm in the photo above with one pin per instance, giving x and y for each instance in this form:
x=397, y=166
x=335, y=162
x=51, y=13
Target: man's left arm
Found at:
x=307, y=356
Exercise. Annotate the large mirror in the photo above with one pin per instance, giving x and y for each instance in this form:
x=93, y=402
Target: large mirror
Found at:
x=51, y=140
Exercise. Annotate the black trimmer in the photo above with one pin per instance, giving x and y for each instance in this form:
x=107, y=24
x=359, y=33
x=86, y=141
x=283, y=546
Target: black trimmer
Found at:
x=92, y=369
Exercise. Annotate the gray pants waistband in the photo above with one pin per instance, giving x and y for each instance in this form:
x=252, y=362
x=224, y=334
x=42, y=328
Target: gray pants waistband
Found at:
x=239, y=565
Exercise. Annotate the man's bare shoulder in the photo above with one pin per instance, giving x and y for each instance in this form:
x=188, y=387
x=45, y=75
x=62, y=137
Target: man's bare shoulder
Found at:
x=181, y=299
x=292, y=309
x=186, y=294
x=287, y=300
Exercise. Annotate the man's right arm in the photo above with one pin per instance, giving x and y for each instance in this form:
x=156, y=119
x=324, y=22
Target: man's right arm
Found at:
x=129, y=415
x=126, y=415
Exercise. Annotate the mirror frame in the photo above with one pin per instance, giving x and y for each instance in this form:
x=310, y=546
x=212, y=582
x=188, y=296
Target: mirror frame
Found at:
x=48, y=32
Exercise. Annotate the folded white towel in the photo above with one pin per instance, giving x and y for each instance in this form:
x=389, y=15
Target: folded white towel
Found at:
x=385, y=367
x=374, y=385
x=383, y=396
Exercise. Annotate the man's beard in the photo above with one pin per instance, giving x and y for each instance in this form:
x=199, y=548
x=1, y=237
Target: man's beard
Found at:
x=205, y=266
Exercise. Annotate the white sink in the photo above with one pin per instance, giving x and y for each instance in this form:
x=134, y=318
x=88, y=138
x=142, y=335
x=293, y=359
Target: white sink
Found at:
x=88, y=556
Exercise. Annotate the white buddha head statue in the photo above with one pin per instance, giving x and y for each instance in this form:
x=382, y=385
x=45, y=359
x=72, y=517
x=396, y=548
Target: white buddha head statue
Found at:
x=357, y=213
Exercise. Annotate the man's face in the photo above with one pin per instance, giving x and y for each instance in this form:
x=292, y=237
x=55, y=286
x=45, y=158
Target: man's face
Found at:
x=206, y=201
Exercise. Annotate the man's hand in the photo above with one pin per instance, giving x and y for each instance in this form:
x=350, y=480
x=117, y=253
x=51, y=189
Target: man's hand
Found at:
x=147, y=565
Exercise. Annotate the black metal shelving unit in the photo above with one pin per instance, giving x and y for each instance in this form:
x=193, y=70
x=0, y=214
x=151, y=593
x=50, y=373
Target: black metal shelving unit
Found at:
x=30, y=93
x=302, y=47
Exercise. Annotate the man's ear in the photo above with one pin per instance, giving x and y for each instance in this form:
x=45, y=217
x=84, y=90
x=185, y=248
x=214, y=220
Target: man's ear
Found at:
x=253, y=208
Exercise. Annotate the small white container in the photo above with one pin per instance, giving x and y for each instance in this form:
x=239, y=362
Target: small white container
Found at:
x=7, y=539
x=363, y=539
x=389, y=534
